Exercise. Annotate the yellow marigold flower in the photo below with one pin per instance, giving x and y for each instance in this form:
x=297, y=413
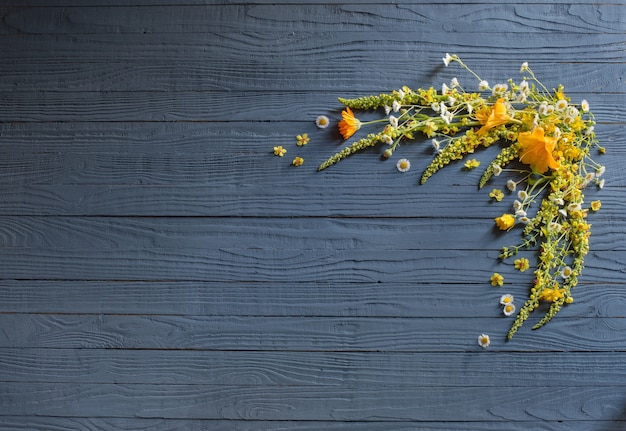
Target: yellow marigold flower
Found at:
x=497, y=279
x=595, y=205
x=521, y=264
x=279, y=151
x=497, y=195
x=302, y=139
x=536, y=150
x=552, y=295
x=349, y=125
x=505, y=221
x=297, y=161
x=471, y=164
x=497, y=115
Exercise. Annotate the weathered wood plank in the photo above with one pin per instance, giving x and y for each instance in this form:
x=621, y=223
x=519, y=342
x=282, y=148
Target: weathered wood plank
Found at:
x=420, y=298
x=209, y=107
x=49, y=423
x=315, y=369
x=288, y=195
x=440, y=17
x=320, y=334
x=499, y=403
x=222, y=233
x=279, y=265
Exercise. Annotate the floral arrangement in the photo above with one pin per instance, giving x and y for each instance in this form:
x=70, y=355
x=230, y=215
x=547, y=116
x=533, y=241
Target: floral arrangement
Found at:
x=546, y=143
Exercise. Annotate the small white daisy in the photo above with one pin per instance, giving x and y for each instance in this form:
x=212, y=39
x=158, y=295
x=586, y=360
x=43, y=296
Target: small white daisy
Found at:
x=499, y=89
x=322, y=121
x=560, y=105
x=506, y=299
x=566, y=272
x=396, y=106
x=484, y=341
x=393, y=121
x=403, y=165
x=447, y=59
x=497, y=170
x=387, y=139
x=600, y=171
x=454, y=83
x=584, y=105
x=522, y=195
x=436, y=145
x=483, y=85
x=508, y=309
x=524, y=66
x=511, y=185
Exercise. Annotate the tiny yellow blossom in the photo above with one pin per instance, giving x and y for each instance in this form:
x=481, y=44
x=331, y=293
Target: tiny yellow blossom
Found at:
x=595, y=205
x=297, y=161
x=279, y=151
x=302, y=139
x=471, y=164
x=536, y=150
x=551, y=295
x=497, y=195
x=521, y=264
x=497, y=279
x=505, y=221
x=497, y=116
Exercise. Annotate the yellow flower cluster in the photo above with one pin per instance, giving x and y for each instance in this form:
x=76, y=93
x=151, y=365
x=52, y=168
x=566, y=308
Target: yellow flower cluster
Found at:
x=541, y=130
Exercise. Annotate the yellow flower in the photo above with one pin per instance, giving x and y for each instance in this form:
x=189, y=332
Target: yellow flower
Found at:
x=279, y=151
x=349, y=125
x=552, y=295
x=536, y=150
x=471, y=164
x=497, y=195
x=497, y=116
x=497, y=279
x=302, y=139
x=595, y=205
x=505, y=221
x=297, y=161
x=521, y=264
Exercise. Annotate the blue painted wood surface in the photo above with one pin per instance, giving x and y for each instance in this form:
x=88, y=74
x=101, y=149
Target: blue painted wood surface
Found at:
x=161, y=270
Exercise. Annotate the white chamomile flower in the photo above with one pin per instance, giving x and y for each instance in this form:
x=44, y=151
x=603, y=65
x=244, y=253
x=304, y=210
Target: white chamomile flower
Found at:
x=522, y=195
x=436, y=145
x=435, y=106
x=560, y=105
x=322, y=121
x=601, y=184
x=447, y=59
x=555, y=227
x=600, y=171
x=524, y=66
x=566, y=272
x=507, y=298
x=444, y=88
x=520, y=213
x=497, y=170
x=524, y=87
x=484, y=341
x=499, y=89
x=396, y=106
x=483, y=85
x=393, y=121
x=584, y=105
x=470, y=108
x=387, y=139
x=524, y=220
x=508, y=309
x=572, y=112
x=511, y=185
x=403, y=165
x=401, y=93
x=454, y=83
x=573, y=207
x=517, y=205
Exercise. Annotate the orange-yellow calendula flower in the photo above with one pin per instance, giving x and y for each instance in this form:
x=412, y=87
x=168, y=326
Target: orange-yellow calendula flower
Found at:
x=536, y=150
x=505, y=221
x=349, y=125
x=497, y=116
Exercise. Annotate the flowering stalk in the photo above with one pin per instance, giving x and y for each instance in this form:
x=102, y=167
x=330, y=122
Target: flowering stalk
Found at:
x=540, y=130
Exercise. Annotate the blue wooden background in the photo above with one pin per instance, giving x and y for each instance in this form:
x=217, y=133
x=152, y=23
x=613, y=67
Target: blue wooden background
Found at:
x=161, y=270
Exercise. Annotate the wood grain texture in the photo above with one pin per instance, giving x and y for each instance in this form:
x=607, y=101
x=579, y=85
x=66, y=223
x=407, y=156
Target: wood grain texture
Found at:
x=161, y=270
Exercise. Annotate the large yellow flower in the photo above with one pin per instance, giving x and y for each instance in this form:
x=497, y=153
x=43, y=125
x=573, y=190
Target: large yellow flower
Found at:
x=536, y=150
x=497, y=116
x=349, y=125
